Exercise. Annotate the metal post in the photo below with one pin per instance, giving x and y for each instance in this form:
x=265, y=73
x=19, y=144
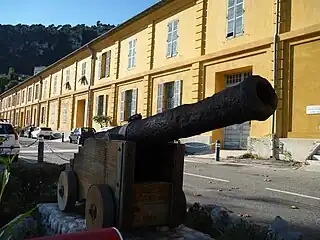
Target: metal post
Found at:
x=40, y=150
x=62, y=137
x=217, y=150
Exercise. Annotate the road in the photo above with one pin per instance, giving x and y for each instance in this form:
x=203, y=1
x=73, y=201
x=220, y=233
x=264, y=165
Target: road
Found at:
x=263, y=192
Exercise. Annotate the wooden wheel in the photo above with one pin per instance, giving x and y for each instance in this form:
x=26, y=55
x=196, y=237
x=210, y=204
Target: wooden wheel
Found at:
x=67, y=190
x=100, y=207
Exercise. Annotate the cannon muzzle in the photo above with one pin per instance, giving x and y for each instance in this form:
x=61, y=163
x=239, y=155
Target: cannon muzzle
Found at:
x=252, y=99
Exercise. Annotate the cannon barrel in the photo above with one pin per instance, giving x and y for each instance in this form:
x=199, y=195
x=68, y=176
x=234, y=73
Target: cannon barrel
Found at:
x=252, y=99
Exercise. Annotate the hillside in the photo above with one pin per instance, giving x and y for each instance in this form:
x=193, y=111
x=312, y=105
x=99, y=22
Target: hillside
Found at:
x=23, y=47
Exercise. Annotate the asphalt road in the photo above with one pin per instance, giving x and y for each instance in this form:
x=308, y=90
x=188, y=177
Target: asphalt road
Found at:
x=262, y=192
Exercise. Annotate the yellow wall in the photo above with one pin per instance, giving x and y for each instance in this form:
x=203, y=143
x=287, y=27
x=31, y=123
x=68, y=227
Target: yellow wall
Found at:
x=220, y=56
x=186, y=39
x=140, y=99
x=258, y=24
x=141, y=54
x=304, y=13
x=305, y=56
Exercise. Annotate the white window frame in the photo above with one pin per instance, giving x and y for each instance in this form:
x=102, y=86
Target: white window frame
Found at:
x=44, y=89
x=83, y=69
x=132, y=53
x=172, y=41
x=68, y=76
x=53, y=110
x=55, y=83
x=107, y=69
x=232, y=18
x=65, y=113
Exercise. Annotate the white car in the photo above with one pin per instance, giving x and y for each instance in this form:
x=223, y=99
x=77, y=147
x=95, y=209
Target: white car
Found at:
x=44, y=132
x=9, y=141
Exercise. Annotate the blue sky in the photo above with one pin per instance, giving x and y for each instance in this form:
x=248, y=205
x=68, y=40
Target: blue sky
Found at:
x=72, y=12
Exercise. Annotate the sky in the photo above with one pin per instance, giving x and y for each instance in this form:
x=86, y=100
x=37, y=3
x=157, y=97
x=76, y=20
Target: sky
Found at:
x=60, y=12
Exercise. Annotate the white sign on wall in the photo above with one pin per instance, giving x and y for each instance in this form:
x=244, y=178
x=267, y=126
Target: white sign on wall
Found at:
x=311, y=110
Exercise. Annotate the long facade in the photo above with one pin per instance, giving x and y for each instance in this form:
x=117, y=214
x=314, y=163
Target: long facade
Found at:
x=179, y=52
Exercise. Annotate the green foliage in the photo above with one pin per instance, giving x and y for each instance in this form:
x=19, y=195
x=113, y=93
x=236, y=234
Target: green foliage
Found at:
x=25, y=46
x=103, y=120
x=6, y=231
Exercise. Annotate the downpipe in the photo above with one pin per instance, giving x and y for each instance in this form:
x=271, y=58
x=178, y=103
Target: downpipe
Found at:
x=274, y=154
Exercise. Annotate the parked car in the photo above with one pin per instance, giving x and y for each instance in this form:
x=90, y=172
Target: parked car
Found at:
x=79, y=135
x=28, y=130
x=44, y=132
x=9, y=141
x=104, y=129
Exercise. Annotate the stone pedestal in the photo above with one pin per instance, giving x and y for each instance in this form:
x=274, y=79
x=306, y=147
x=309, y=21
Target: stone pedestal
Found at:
x=52, y=222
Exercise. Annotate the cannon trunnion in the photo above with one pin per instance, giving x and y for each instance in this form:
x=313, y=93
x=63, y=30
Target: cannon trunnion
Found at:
x=125, y=184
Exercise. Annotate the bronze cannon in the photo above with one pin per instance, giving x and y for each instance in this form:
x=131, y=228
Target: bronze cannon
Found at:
x=132, y=176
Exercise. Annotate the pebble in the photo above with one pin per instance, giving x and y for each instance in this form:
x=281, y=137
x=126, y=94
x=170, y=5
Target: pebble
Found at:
x=294, y=207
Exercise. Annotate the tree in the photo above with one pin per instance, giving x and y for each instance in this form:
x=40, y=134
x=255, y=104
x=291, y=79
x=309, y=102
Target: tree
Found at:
x=103, y=120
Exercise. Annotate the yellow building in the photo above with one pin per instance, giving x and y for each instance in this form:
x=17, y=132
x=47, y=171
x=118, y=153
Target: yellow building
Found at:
x=178, y=52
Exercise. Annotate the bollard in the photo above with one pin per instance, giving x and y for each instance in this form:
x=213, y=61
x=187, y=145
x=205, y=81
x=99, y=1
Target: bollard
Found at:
x=217, y=150
x=40, y=150
x=62, y=137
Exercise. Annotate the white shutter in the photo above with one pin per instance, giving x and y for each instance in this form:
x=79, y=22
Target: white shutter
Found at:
x=134, y=101
x=99, y=66
x=105, y=98
x=122, y=106
x=177, y=93
x=97, y=106
x=160, y=98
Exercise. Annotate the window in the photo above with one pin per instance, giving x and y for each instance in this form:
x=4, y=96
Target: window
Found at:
x=43, y=115
x=55, y=84
x=36, y=95
x=29, y=94
x=104, y=63
x=172, y=38
x=44, y=89
x=128, y=104
x=235, y=18
x=101, y=105
x=132, y=53
x=18, y=98
x=68, y=76
x=23, y=96
x=53, y=114
x=65, y=113
x=169, y=95
x=9, y=102
x=67, y=79
x=84, y=69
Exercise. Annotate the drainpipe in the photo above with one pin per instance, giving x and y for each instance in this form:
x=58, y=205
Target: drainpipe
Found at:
x=275, y=72
x=90, y=84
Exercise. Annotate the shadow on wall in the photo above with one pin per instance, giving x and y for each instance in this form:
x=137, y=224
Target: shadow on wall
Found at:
x=194, y=148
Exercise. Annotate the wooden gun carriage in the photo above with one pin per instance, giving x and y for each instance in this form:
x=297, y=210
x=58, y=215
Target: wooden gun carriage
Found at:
x=132, y=176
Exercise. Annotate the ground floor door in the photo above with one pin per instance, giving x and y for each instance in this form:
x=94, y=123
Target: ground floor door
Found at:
x=81, y=110
x=235, y=136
